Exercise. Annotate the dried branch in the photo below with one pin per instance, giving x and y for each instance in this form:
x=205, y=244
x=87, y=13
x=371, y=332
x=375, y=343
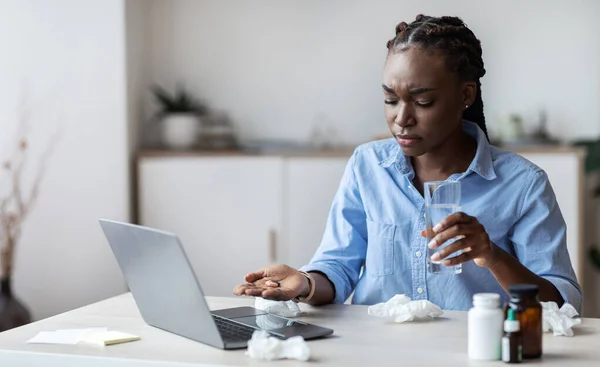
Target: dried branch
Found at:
x=15, y=208
x=4, y=206
x=28, y=203
x=16, y=184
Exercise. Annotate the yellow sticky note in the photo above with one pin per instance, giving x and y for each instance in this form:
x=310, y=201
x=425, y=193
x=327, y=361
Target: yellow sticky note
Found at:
x=109, y=338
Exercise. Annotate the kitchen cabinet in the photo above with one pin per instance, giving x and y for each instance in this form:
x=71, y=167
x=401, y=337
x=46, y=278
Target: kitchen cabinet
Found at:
x=226, y=211
x=310, y=184
x=236, y=213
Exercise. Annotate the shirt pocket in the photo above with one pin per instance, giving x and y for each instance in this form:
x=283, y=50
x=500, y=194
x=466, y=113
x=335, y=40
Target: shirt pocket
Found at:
x=379, y=260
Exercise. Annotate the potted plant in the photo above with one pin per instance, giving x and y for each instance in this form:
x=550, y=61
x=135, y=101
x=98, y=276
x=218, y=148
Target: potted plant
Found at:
x=180, y=116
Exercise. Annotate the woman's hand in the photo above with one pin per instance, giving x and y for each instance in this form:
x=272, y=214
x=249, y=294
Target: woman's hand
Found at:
x=277, y=282
x=473, y=240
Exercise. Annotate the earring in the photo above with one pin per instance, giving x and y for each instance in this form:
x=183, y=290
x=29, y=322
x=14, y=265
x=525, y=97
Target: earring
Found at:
x=466, y=106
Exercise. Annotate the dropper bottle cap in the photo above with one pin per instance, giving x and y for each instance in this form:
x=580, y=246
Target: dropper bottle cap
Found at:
x=511, y=324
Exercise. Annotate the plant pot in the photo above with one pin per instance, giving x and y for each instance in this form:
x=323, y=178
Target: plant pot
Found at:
x=12, y=312
x=180, y=130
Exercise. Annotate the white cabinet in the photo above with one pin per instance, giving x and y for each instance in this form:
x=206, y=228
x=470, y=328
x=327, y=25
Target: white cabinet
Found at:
x=225, y=210
x=310, y=186
x=235, y=214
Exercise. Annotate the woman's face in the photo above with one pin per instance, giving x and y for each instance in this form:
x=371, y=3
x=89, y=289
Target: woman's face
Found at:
x=424, y=101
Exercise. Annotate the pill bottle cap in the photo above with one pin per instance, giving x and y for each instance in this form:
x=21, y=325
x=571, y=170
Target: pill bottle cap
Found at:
x=486, y=300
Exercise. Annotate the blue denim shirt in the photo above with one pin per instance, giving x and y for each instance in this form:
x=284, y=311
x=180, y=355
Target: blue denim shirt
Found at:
x=372, y=243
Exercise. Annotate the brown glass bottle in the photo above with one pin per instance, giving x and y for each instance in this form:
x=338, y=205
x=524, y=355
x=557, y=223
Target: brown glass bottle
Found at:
x=524, y=300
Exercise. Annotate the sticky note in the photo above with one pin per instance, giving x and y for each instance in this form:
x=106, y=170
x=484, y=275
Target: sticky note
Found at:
x=109, y=338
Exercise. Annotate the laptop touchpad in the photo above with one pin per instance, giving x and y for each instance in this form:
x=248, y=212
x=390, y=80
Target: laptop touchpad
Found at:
x=268, y=322
x=234, y=313
x=283, y=327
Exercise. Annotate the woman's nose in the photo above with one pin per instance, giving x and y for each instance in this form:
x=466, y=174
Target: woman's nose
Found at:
x=404, y=116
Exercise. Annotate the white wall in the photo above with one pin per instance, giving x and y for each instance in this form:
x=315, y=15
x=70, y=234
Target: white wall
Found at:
x=276, y=64
x=68, y=57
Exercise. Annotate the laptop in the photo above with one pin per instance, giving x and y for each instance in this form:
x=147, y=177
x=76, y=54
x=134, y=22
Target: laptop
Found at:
x=169, y=297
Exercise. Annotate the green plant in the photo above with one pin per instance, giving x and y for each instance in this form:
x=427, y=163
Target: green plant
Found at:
x=595, y=257
x=592, y=163
x=181, y=101
x=592, y=160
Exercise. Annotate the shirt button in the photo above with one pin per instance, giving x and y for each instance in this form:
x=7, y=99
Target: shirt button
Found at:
x=420, y=290
x=418, y=254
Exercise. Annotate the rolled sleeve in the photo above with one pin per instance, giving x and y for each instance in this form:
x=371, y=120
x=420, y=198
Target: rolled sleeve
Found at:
x=540, y=241
x=342, y=251
x=571, y=293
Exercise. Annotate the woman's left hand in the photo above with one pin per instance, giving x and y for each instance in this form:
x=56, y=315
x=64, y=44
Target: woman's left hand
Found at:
x=473, y=240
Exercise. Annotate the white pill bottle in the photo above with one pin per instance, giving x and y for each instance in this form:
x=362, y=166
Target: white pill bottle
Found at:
x=485, y=327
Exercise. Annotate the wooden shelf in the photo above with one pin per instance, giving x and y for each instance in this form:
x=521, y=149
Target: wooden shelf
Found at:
x=341, y=152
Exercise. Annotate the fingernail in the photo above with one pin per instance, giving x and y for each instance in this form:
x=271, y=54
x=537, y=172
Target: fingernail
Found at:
x=437, y=227
x=432, y=244
x=435, y=257
x=272, y=283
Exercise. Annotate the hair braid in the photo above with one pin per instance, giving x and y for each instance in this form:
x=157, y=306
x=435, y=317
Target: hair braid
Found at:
x=451, y=37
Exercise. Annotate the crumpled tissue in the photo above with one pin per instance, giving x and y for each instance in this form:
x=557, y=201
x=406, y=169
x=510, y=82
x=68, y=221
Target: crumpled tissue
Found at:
x=268, y=348
x=560, y=321
x=272, y=322
x=281, y=308
x=400, y=308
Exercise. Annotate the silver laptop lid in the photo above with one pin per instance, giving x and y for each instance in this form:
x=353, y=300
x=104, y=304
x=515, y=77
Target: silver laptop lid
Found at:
x=162, y=281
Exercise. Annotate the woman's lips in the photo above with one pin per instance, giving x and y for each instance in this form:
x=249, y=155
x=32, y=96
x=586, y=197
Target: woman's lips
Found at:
x=407, y=140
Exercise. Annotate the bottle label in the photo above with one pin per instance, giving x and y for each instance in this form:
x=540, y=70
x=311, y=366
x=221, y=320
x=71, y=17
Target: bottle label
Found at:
x=505, y=349
x=520, y=356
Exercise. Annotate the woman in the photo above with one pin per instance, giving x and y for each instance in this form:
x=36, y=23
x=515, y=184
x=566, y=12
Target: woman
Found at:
x=374, y=242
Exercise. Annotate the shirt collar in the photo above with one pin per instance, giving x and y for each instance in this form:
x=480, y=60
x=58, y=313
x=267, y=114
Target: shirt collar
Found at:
x=482, y=164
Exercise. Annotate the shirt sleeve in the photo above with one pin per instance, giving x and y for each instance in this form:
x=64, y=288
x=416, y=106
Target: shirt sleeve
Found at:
x=342, y=251
x=540, y=241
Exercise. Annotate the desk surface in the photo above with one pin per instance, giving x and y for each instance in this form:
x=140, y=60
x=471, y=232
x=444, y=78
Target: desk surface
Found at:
x=358, y=340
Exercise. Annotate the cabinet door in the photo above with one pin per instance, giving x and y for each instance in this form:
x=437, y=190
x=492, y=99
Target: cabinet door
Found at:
x=311, y=184
x=225, y=210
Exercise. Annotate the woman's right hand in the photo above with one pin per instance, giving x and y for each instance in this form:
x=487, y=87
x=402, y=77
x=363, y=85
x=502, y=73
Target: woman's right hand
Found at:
x=291, y=284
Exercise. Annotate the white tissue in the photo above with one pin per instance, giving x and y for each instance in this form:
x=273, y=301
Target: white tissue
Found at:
x=560, y=321
x=400, y=309
x=281, y=308
x=64, y=336
x=268, y=348
x=272, y=322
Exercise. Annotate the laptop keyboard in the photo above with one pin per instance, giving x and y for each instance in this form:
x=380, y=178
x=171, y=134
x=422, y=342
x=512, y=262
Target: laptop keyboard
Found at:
x=231, y=331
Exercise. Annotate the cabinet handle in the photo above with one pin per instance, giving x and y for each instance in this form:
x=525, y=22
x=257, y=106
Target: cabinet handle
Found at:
x=273, y=245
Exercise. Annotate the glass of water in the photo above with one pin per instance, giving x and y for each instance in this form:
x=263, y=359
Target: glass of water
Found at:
x=442, y=198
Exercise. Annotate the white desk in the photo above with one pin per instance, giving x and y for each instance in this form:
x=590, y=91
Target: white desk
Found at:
x=359, y=340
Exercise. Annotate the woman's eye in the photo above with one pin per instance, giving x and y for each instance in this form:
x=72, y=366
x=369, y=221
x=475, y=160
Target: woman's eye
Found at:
x=390, y=102
x=424, y=103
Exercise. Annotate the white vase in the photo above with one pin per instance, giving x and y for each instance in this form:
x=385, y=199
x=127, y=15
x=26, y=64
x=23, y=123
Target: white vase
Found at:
x=180, y=130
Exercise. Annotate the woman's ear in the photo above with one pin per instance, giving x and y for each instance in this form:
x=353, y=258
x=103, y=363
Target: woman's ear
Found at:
x=469, y=93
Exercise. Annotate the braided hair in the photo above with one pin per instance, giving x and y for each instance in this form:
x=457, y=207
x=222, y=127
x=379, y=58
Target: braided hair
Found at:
x=451, y=37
